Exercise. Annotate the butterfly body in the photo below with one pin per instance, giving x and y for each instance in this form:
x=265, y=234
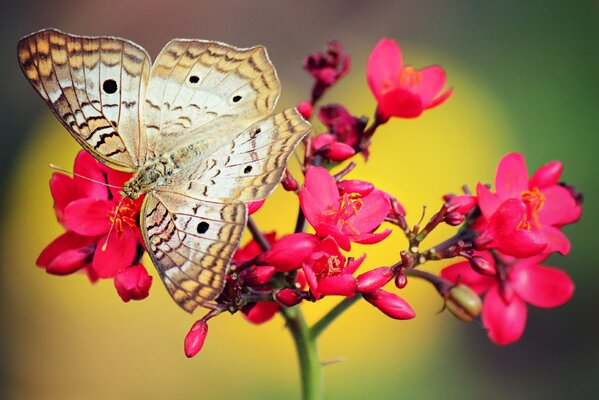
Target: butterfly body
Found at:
x=193, y=128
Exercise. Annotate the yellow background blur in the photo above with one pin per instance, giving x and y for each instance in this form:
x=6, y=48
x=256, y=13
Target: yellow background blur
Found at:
x=524, y=81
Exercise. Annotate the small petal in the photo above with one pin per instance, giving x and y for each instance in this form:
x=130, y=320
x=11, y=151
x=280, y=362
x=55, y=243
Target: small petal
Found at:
x=505, y=322
x=546, y=176
x=257, y=275
x=512, y=176
x=383, y=65
x=64, y=191
x=462, y=273
x=400, y=103
x=556, y=240
x=119, y=254
x=462, y=204
x=372, y=238
x=337, y=285
x=362, y=188
x=542, y=286
x=261, y=312
x=374, y=210
x=432, y=81
x=254, y=206
x=289, y=252
x=88, y=216
x=195, y=338
x=559, y=207
x=322, y=140
x=390, y=304
x=488, y=202
x=87, y=166
x=65, y=242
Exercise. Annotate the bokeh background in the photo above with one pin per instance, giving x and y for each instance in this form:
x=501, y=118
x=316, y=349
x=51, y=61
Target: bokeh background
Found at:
x=526, y=79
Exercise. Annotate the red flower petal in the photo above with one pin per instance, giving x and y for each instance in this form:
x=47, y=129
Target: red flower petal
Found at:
x=559, y=207
x=546, y=176
x=353, y=265
x=64, y=190
x=383, y=66
x=505, y=322
x=117, y=178
x=254, y=206
x=337, y=285
x=488, y=202
x=86, y=165
x=440, y=100
x=119, y=254
x=261, y=312
x=324, y=230
x=542, y=286
x=463, y=273
x=65, y=242
x=322, y=186
x=374, y=210
x=432, y=81
x=362, y=188
x=252, y=248
x=289, y=252
x=88, y=216
x=371, y=238
x=556, y=240
x=512, y=176
x=399, y=102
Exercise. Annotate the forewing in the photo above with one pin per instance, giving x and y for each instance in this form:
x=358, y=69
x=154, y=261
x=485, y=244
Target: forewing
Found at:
x=94, y=86
x=250, y=166
x=200, y=88
x=190, y=241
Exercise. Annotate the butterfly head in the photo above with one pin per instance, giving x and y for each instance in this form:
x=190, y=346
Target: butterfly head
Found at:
x=144, y=180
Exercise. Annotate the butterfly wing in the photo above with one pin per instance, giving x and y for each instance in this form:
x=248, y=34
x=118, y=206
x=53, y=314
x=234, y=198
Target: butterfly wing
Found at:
x=94, y=86
x=193, y=224
x=200, y=88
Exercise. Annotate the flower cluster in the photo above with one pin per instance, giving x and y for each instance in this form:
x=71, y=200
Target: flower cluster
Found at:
x=504, y=233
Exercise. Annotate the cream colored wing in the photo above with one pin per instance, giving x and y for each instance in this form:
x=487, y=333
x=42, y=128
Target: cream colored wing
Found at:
x=94, y=86
x=250, y=166
x=206, y=88
x=191, y=240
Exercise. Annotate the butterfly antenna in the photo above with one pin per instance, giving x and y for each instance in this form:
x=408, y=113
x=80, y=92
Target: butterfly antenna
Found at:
x=56, y=167
x=116, y=213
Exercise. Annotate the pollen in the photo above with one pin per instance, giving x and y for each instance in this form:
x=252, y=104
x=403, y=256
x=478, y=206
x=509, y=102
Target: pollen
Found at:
x=409, y=77
x=534, y=201
x=349, y=205
x=123, y=215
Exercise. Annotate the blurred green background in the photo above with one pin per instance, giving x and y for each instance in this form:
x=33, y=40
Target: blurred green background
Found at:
x=526, y=79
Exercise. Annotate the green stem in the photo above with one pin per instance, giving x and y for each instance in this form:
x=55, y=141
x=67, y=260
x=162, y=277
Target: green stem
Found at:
x=305, y=343
x=336, y=311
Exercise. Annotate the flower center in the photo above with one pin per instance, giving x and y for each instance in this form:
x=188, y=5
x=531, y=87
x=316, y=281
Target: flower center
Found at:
x=409, y=77
x=327, y=265
x=125, y=215
x=534, y=201
x=349, y=205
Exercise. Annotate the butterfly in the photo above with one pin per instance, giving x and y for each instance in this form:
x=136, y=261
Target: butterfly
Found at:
x=193, y=128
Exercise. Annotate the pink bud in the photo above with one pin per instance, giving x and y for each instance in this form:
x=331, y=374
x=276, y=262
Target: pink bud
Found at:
x=338, y=151
x=375, y=279
x=289, y=297
x=289, y=183
x=254, y=206
x=390, y=304
x=289, y=252
x=261, y=312
x=482, y=266
x=363, y=188
x=462, y=204
x=401, y=280
x=257, y=275
x=454, y=218
x=133, y=283
x=305, y=108
x=195, y=338
x=322, y=140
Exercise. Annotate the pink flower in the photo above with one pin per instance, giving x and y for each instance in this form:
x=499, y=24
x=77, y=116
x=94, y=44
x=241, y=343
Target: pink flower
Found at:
x=504, y=306
x=401, y=90
x=342, y=125
x=194, y=340
x=290, y=252
x=347, y=217
x=327, y=68
x=87, y=210
x=133, y=283
x=525, y=215
x=327, y=273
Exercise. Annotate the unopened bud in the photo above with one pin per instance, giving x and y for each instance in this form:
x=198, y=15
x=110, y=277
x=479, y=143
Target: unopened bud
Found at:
x=289, y=297
x=289, y=252
x=195, y=338
x=255, y=275
x=454, y=218
x=305, y=108
x=289, y=183
x=337, y=151
x=462, y=204
x=482, y=266
x=463, y=303
x=375, y=279
x=401, y=280
x=390, y=304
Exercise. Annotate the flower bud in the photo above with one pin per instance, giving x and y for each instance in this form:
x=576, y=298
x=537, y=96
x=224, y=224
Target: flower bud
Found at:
x=254, y=206
x=461, y=204
x=133, y=283
x=401, y=280
x=289, y=252
x=375, y=279
x=289, y=297
x=322, y=140
x=337, y=151
x=289, y=183
x=363, y=188
x=260, y=312
x=195, y=338
x=482, y=266
x=305, y=108
x=463, y=303
x=255, y=275
x=454, y=218
x=390, y=304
